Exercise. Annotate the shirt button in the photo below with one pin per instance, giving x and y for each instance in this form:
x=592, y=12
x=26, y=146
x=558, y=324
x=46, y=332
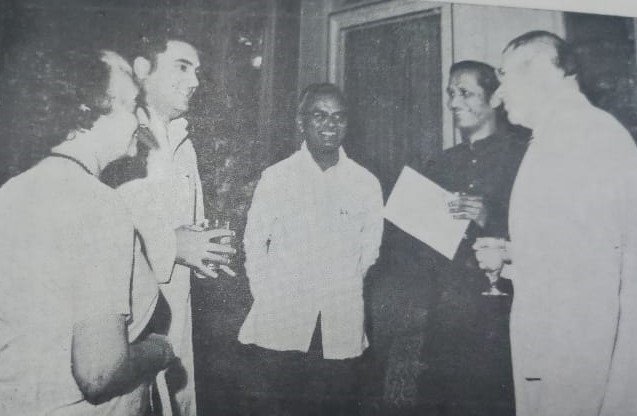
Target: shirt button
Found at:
x=470, y=186
x=474, y=161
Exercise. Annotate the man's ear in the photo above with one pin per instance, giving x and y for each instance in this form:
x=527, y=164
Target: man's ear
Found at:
x=496, y=98
x=299, y=123
x=141, y=67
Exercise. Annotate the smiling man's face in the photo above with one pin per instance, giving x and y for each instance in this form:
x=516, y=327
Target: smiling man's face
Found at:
x=467, y=102
x=325, y=124
x=173, y=81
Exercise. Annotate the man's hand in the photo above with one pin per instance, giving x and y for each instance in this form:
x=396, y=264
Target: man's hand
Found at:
x=195, y=250
x=469, y=207
x=492, y=253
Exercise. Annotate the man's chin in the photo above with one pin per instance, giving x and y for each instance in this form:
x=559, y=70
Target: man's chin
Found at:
x=180, y=110
x=331, y=146
x=464, y=123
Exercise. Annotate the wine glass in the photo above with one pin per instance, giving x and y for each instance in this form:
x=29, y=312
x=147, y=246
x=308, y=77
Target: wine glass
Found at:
x=493, y=276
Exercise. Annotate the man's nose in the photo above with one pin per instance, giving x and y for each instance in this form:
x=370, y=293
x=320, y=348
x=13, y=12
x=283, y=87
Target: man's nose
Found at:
x=453, y=102
x=497, y=98
x=193, y=80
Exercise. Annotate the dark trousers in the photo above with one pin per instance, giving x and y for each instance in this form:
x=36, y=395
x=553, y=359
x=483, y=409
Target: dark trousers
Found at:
x=297, y=383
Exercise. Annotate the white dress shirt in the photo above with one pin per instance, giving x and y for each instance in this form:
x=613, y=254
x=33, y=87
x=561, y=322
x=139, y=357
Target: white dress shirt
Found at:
x=310, y=238
x=160, y=203
x=574, y=250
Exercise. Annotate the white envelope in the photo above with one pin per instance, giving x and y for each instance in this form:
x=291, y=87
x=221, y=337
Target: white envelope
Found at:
x=419, y=207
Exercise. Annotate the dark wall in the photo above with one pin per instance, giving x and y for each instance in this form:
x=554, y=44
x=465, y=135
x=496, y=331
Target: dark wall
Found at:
x=239, y=118
x=605, y=47
x=240, y=121
x=37, y=31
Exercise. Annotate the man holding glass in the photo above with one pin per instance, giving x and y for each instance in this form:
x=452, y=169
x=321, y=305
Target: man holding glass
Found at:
x=573, y=248
x=466, y=338
x=167, y=205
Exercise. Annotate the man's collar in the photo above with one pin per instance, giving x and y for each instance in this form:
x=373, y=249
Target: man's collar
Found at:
x=176, y=130
x=483, y=142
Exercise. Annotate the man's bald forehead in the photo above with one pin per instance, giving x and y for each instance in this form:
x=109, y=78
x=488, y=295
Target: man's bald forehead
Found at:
x=315, y=92
x=543, y=45
x=540, y=48
x=537, y=37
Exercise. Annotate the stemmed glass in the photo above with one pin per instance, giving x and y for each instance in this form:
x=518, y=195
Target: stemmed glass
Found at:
x=493, y=276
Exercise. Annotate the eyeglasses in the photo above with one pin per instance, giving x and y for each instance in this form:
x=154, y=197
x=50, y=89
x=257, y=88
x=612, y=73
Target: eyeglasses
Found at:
x=320, y=117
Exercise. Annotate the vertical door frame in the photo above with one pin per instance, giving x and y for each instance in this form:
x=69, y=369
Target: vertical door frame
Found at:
x=340, y=22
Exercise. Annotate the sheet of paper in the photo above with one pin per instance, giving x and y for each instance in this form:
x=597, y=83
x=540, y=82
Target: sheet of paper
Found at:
x=419, y=207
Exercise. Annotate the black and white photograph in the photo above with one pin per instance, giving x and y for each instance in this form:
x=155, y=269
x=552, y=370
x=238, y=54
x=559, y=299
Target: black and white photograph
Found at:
x=318, y=208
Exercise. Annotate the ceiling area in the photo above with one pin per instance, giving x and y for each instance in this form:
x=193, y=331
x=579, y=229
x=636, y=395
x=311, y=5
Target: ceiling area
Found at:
x=208, y=5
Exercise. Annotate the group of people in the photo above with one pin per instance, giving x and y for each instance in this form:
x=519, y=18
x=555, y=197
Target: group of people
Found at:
x=550, y=219
x=95, y=314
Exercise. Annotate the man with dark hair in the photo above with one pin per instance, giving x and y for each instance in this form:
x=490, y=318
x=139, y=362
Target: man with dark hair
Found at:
x=313, y=230
x=466, y=344
x=573, y=248
x=483, y=73
x=168, y=209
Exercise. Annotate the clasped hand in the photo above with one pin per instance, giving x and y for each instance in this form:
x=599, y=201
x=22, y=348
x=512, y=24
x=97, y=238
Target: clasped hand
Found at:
x=492, y=253
x=195, y=250
x=468, y=207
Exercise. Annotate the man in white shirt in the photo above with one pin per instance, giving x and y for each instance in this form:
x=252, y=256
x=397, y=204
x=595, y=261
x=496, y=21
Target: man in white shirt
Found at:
x=313, y=230
x=167, y=205
x=573, y=249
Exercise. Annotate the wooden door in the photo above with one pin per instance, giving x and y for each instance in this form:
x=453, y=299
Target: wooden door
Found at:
x=392, y=70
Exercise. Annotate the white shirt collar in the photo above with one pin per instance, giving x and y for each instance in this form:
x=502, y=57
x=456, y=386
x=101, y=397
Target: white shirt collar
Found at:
x=176, y=130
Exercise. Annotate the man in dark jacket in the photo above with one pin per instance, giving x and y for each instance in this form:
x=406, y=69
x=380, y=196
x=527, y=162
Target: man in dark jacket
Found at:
x=466, y=338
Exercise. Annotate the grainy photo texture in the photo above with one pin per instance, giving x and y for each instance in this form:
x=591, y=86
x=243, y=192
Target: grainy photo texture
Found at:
x=316, y=207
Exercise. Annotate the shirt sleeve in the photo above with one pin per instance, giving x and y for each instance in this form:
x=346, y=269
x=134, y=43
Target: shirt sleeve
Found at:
x=372, y=232
x=620, y=397
x=144, y=198
x=258, y=233
x=186, y=157
x=102, y=271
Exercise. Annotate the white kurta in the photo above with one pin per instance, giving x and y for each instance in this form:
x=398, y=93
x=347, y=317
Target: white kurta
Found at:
x=159, y=206
x=574, y=249
x=310, y=238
